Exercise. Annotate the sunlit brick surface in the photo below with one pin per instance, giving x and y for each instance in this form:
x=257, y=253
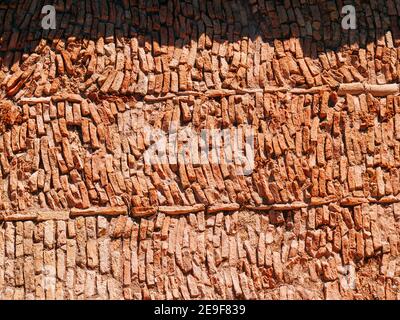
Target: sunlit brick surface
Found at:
x=313, y=211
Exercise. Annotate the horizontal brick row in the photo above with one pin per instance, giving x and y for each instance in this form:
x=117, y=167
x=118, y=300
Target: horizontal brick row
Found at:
x=320, y=253
x=132, y=49
x=70, y=153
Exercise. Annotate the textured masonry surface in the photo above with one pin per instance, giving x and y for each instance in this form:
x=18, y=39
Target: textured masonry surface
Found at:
x=82, y=216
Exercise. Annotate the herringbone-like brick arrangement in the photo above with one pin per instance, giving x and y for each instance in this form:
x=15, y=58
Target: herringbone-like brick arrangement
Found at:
x=91, y=207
